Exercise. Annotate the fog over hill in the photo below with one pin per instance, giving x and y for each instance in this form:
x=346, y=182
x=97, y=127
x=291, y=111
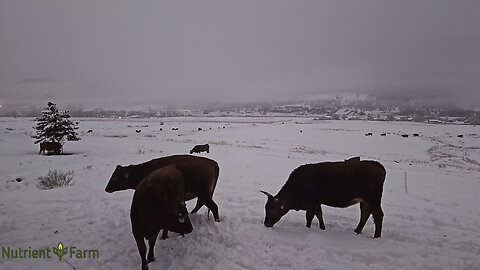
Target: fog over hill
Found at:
x=119, y=54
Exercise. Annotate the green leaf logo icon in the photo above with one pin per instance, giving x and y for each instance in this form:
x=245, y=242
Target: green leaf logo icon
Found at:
x=60, y=251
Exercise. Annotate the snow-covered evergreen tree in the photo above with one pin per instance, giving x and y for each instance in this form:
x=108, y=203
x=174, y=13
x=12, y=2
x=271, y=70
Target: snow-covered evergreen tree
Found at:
x=55, y=126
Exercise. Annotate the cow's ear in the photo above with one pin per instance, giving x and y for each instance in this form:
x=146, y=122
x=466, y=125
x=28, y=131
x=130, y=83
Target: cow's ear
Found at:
x=118, y=166
x=266, y=193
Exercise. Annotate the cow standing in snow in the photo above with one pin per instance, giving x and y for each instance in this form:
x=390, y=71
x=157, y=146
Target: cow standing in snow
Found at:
x=336, y=184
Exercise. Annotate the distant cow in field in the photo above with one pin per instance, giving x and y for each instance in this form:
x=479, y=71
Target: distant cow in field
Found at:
x=200, y=129
x=158, y=203
x=383, y=134
x=161, y=129
x=200, y=175
x=416, y=135
x=138, y=130
x=336, y=184
x=54, y=147
x=174, y=128
x=369, y=134
x=460, y=135
x=90, y=131
x=404, y=135
x=200, y=148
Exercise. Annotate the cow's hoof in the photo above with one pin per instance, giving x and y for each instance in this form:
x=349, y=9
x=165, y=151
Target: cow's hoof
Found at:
x=322, y=227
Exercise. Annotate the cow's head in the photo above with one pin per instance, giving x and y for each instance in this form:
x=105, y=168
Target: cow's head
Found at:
x=274, y=210
x=177, y=220
x=121, y=179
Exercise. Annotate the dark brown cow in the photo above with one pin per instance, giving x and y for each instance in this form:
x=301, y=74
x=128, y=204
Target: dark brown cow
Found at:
x=158, y=203
x=336, y=184
x=54, y=147
x=200, y=175
x=200, y=148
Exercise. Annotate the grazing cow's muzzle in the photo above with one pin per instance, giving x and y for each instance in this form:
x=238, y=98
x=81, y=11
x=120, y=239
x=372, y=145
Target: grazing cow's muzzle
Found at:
x=268, y=224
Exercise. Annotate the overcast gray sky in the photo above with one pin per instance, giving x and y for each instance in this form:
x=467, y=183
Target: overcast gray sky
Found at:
x=102, y=53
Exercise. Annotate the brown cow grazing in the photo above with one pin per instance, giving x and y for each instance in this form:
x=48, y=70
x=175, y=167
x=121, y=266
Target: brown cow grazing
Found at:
x=200, y=175
x=200, y=148
x=54, y=147
x=336, y=184
x=158, y=203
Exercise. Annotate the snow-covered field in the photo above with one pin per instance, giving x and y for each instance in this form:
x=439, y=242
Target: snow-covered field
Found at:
x=435, y=225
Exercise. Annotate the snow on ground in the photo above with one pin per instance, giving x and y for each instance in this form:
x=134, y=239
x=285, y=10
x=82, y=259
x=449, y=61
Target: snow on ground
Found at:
x=435, y=225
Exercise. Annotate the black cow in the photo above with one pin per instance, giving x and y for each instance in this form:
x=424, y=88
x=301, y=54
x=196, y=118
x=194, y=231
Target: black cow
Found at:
x=54, y=147
x=200, y=148
x=369, y=134
x=383, y=134
x=404, y=135
x=416, y=135
x=200, y=175
x=336, y=184
x=158, y=203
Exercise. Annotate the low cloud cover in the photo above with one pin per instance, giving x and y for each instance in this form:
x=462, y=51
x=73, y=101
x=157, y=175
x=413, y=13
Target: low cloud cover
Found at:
x=113, y=53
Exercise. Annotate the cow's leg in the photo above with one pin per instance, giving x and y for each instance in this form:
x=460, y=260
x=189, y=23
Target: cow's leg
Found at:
x=310, y=214
x=319, y=214
x=142, y=248
x=214, y=208
x=378, y=219
x=364, y=214
x=199, y=204
x=164, y=234
x=151, y=242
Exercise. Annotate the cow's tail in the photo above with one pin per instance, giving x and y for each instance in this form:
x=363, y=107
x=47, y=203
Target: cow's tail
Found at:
x=216, y=174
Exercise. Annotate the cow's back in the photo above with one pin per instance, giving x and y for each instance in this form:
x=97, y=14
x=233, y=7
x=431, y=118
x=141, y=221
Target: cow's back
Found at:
x=200, y=174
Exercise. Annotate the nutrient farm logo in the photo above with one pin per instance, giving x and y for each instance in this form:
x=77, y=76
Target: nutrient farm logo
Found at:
x=59, y=251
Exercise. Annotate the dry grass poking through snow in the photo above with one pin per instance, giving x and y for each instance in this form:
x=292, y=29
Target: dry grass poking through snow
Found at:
x=55, y=179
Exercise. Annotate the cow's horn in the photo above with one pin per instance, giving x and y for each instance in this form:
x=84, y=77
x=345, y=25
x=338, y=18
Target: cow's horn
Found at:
x=266, y=193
